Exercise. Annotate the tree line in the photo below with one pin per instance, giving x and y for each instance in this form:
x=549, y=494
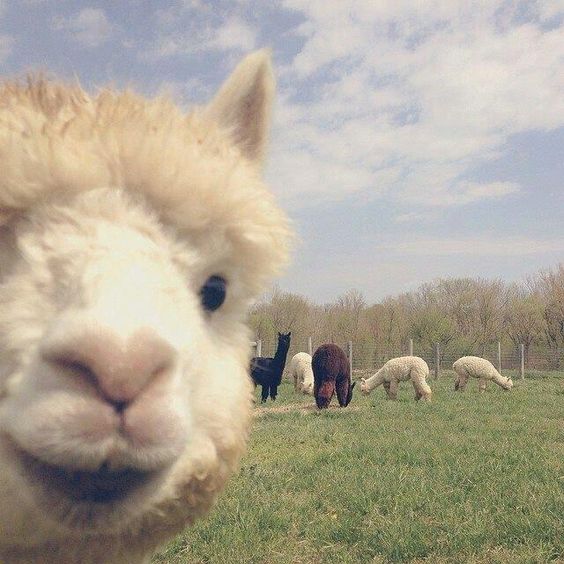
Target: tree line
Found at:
x=462, y=315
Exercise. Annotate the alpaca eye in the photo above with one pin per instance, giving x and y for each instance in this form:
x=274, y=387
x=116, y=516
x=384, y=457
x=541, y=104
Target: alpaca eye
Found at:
x=213, y=292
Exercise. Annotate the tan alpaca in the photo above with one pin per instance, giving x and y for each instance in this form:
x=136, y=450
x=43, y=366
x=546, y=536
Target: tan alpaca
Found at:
x=133, y=239
x=480, y=368
x=399, y=370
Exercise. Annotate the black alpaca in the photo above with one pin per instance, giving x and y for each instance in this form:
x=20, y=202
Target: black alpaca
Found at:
x=267, y=372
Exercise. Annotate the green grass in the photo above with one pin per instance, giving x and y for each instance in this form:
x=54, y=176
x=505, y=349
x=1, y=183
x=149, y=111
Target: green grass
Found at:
x=468, y=478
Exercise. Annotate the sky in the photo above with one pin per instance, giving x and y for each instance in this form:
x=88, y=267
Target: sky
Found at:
x=411, y=140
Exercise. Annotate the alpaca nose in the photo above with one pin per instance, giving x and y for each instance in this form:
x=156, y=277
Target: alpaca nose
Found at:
x=119, y=368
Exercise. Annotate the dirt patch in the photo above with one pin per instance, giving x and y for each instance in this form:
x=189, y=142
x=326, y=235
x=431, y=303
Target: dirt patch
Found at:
x=297, y=407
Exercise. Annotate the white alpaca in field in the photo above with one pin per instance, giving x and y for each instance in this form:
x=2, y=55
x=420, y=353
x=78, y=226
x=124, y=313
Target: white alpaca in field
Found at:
x=133, y=239
x=302, y=373
x=480, y=368
x=399, y=370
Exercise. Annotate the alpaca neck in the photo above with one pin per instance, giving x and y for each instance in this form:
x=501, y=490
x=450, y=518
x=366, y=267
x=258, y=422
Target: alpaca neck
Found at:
x=376, y=379
x=280, y=355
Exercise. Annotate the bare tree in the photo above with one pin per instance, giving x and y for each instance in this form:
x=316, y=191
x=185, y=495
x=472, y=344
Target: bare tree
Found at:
x=524, y=320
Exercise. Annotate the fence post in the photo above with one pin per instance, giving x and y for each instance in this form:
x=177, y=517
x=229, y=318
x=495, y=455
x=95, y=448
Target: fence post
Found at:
x=259, y=347
x=522, y=358
x=410, y=347
x=309, y=346
x=437, y=362
x=350, y=353
x=499, y=357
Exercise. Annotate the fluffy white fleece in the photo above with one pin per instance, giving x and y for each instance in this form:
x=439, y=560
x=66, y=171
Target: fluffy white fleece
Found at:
x=399, y=370
x=124, y=389
x=302, y=373
x=480, y=368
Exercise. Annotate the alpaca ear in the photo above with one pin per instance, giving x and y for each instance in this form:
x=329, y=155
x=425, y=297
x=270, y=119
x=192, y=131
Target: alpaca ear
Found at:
x=243, y=104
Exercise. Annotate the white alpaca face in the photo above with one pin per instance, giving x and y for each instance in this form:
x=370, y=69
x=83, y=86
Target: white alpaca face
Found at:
x=132, y=241
x=119, y=340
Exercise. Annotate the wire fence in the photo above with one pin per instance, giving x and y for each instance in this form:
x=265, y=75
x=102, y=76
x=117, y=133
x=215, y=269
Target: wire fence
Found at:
x=369, y=358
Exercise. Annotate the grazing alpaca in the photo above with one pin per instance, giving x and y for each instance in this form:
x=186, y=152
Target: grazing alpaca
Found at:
x=267, y=371
x=399, y=370
x=132, y=239
x=302, y=373
x=331, y=372
x=480, y=368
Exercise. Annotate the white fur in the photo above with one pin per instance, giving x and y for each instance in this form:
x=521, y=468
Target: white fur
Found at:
x=399, y=370
x=302, y=373
x=481, y=369
x=114, y=211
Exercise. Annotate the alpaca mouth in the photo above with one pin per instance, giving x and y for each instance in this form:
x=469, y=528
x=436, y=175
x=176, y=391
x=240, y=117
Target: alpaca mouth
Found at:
x=102, y=486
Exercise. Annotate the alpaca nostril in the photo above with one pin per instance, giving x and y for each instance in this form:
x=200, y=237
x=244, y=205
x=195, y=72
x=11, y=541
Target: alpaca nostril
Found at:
x=118, y=369
x=68, y=364
x=119, y=406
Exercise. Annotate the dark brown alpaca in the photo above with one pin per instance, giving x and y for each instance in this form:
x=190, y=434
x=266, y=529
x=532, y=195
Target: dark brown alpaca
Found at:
x=331, y=372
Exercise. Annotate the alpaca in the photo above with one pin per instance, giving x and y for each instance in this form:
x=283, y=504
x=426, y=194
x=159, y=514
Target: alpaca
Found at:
x=480, y=368
x=267, y=371
x=331, y=372
x=302, y=373
x=399, y=370
x=132, y=240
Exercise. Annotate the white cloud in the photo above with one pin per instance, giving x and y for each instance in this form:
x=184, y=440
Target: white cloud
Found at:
x=186, y=93
x=6, y=46
x=410, y=217
x=550, y=8
x=478, y=246
x=460, y=193
x=90, y=27
x=233, y=34
x=413, y=97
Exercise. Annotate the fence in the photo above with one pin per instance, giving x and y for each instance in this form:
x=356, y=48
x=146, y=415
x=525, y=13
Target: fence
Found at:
x=369, y=359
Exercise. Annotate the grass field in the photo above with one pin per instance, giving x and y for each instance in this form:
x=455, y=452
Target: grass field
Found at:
x=468, y=478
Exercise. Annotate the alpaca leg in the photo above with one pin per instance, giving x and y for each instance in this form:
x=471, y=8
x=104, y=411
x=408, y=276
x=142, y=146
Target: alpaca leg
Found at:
x=482, y=383
x=264, y=393
x=393, y=391
x=418, y=390
x=342, y=388
x=273, y=392
x=324, y=393
x=387, y=388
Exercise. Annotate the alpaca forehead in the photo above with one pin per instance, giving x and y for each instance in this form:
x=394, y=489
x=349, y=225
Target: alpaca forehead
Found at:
x=185, y=167
x=118, y=227
x=65, y=139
